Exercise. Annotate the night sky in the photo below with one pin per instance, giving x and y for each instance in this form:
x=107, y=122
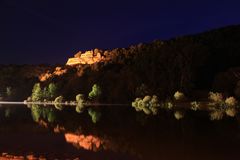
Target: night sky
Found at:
x=50, y=31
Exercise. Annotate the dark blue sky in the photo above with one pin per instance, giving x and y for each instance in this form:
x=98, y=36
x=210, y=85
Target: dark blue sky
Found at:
x=50, y=31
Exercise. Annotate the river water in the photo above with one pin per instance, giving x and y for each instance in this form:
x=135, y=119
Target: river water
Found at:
x=118, y=133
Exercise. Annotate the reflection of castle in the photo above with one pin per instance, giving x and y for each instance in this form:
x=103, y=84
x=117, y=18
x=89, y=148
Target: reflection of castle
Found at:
x=88, y=142
x=89, y=57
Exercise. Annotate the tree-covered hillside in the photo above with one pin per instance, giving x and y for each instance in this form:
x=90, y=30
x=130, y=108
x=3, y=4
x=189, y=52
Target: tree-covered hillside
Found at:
x=188, y=63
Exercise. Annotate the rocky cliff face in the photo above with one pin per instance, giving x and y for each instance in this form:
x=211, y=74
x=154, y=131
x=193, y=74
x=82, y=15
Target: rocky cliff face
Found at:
x=59, y=71
x=88, y=57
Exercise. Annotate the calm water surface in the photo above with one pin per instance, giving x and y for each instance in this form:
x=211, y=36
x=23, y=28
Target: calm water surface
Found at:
x=116, y=133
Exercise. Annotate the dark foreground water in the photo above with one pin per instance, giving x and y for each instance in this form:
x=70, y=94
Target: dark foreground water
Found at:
x=116, y=133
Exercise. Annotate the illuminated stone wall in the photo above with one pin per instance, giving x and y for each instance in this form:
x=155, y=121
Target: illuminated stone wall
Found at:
x=89, y=57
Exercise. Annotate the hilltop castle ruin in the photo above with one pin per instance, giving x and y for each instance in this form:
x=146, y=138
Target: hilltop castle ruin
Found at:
x=88, y=57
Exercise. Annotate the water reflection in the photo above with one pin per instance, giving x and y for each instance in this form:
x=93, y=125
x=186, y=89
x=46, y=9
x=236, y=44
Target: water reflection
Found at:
x=88, y=142
x=45, y=113
x=119, y=132
x=58, y=106
x=94, y=114
x=8, y=112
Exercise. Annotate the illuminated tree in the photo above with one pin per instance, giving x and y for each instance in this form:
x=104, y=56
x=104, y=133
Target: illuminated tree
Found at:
x=79, y=97
x=149, y=104
x=216, y=97
x=179, y=115
x=52, y=90
x=231, y=102
x=58, y=99
x=37, y=92
x=179, y=96
x=96, y=92
x=45, y=93
x=9, y=91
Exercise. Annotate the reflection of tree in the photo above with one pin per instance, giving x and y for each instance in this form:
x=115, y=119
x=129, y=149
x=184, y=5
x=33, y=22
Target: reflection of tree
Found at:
x=46, y=113
x=36, y=112
x=52, y=90
x=79, y=109
x=8, y=112
x=141, y=118
x=95, y=115
x=51, y=116
x=58, y=106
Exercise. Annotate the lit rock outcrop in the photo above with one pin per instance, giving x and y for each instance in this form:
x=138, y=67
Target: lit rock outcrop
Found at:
x=57, y=72
x=88, y=57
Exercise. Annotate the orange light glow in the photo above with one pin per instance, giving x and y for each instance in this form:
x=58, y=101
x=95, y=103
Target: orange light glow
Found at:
x=88, y=142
